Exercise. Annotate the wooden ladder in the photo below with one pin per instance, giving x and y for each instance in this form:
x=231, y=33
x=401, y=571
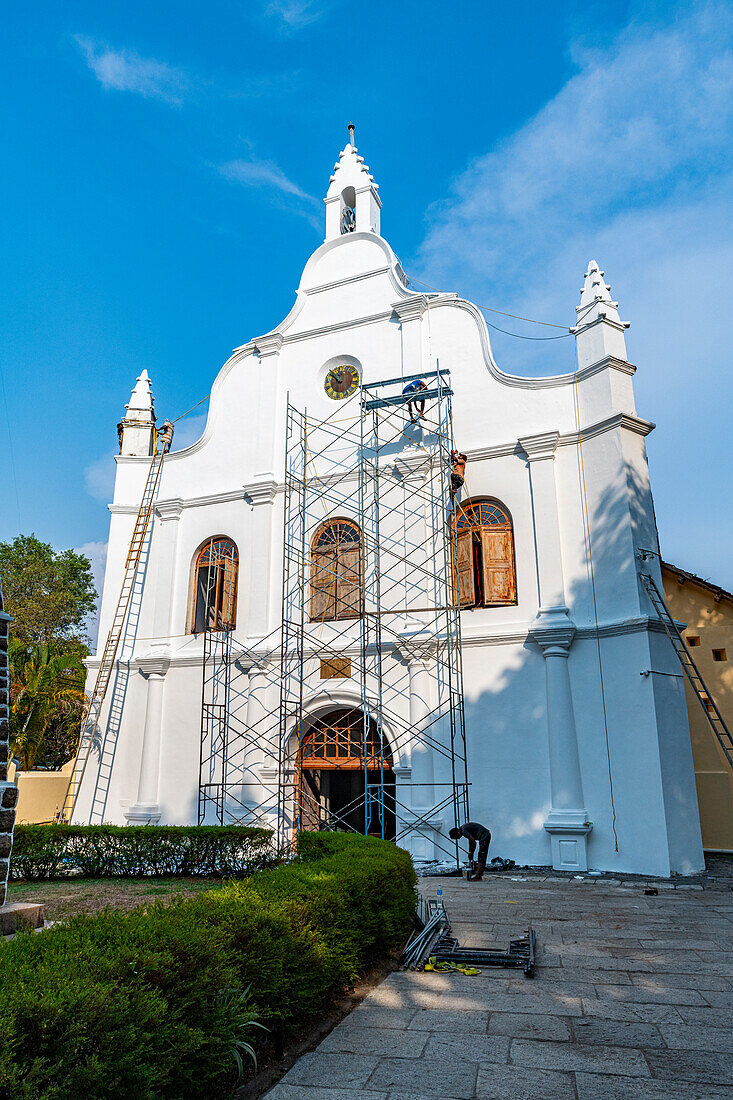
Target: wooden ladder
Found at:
x=708, y=704
x=93, y=708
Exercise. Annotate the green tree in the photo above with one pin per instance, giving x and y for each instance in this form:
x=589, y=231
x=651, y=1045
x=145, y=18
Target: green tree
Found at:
x=45, y=686
x=50, y=595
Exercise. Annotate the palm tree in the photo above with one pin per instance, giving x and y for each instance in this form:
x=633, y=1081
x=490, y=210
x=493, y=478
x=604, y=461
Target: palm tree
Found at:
x=45, y=685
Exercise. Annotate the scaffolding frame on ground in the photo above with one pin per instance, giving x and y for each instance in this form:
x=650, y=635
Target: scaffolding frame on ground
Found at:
x=348, y=611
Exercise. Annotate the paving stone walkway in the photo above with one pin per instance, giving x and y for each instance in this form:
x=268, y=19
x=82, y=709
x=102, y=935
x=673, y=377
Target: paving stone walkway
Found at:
x=632, y=1000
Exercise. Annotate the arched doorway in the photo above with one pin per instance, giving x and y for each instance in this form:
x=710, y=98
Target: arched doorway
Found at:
x=344, y=778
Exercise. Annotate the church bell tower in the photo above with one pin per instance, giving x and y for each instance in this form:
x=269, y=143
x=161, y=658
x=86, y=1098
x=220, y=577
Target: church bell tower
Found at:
x=352, y=202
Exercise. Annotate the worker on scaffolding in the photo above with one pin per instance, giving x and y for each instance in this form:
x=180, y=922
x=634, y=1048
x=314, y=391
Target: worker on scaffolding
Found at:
x=474, y=834
x=458, y=471
x=415, y=408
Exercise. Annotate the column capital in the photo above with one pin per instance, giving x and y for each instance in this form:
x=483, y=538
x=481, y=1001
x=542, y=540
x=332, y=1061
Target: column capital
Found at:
x=553, y=630
x=412, y=308
x=415, y=648
x=261, y=491
x=169, y=509
x=540, y=447
x=269, y=344
x=154, y=664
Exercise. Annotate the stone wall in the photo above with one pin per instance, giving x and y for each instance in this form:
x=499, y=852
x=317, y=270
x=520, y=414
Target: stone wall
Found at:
x=8, y=791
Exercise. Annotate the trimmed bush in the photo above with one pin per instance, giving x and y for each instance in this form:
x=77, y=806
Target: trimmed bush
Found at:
x=113, y=851
x=149, y=1003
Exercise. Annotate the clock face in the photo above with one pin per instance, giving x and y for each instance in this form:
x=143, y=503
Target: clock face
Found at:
x=341, y=382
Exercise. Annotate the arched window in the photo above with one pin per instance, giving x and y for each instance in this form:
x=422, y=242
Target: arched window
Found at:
x=336, y=571
x=215, y=586
x=484, y=568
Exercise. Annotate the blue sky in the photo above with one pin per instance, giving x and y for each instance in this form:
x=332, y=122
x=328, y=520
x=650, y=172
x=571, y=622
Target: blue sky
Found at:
x=163, y=175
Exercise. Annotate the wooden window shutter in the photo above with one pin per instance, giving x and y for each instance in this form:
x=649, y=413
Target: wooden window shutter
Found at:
x=229, y=592
x=497, y=555
x=463, y=572
x=348, y=584
x=323, y=585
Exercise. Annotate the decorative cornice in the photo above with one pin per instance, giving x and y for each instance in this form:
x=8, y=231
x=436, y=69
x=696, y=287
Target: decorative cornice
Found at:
x=567, y=439
x=540, y=447
x=322, y=287
x=261, y=491
x=601, y=319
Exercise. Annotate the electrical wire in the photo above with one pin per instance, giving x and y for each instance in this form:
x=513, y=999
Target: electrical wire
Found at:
x=589, y=546
x=502, y=313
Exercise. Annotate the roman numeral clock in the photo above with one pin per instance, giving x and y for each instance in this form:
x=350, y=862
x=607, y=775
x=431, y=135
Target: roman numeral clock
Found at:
x=341, y=382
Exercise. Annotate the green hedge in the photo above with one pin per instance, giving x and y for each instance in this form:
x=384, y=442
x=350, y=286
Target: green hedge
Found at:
x=150, y=1003
x=112, y=851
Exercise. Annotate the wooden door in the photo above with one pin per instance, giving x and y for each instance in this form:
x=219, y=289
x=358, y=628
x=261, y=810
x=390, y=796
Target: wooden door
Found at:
x=348, y=584
x=323, y=585
x=497, y=555
x=463, y=572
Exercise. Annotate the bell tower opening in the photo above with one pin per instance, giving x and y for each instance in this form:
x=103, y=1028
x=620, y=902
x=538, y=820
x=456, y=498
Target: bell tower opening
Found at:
x=348, y=210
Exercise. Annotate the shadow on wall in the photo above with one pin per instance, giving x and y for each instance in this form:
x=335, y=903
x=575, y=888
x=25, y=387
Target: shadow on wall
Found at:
x=507, y=722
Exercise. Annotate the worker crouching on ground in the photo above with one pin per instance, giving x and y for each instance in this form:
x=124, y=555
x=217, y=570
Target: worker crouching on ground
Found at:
x=475, y=834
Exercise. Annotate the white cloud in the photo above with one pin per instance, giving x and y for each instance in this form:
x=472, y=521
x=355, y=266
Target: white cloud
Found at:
x=188, y=431
x=99, y=478
x=268, y=176
x=294, y=15
x=628, y=164
x=97, y=554
x=633, y=121
x=126, y=71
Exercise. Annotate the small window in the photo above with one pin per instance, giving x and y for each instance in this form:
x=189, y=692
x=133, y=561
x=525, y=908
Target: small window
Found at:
x=693, y=639
x=215, y=592
x=484, y=573
x=336, y=571
x=720, y=655
x=708, y=704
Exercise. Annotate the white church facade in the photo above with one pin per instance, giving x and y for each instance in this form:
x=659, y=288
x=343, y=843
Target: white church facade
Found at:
x=577, y=746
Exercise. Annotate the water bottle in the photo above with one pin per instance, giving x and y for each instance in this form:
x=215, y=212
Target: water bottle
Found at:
x=440, y=896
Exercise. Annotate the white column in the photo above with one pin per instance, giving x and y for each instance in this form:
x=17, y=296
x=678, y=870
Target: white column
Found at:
x=147, y=808
x=419, y=797
x=554, y=632
x=264, y=592
x=167, y=515
x=410, y=312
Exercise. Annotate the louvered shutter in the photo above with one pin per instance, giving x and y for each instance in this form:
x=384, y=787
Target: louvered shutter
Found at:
x=463, y=572
x=497, y=554
x=348, y=584
x=229, y=593
x=323, y=585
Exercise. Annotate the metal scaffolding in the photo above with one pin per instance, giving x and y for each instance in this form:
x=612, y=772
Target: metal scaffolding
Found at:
x=369, y=735
x=369, y=605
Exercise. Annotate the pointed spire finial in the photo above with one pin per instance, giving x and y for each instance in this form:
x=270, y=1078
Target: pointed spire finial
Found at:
x=600, y=330
x=352, y=128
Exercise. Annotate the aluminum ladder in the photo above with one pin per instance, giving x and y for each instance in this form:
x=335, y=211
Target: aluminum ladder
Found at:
x=93, y=709
x=708, y=704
